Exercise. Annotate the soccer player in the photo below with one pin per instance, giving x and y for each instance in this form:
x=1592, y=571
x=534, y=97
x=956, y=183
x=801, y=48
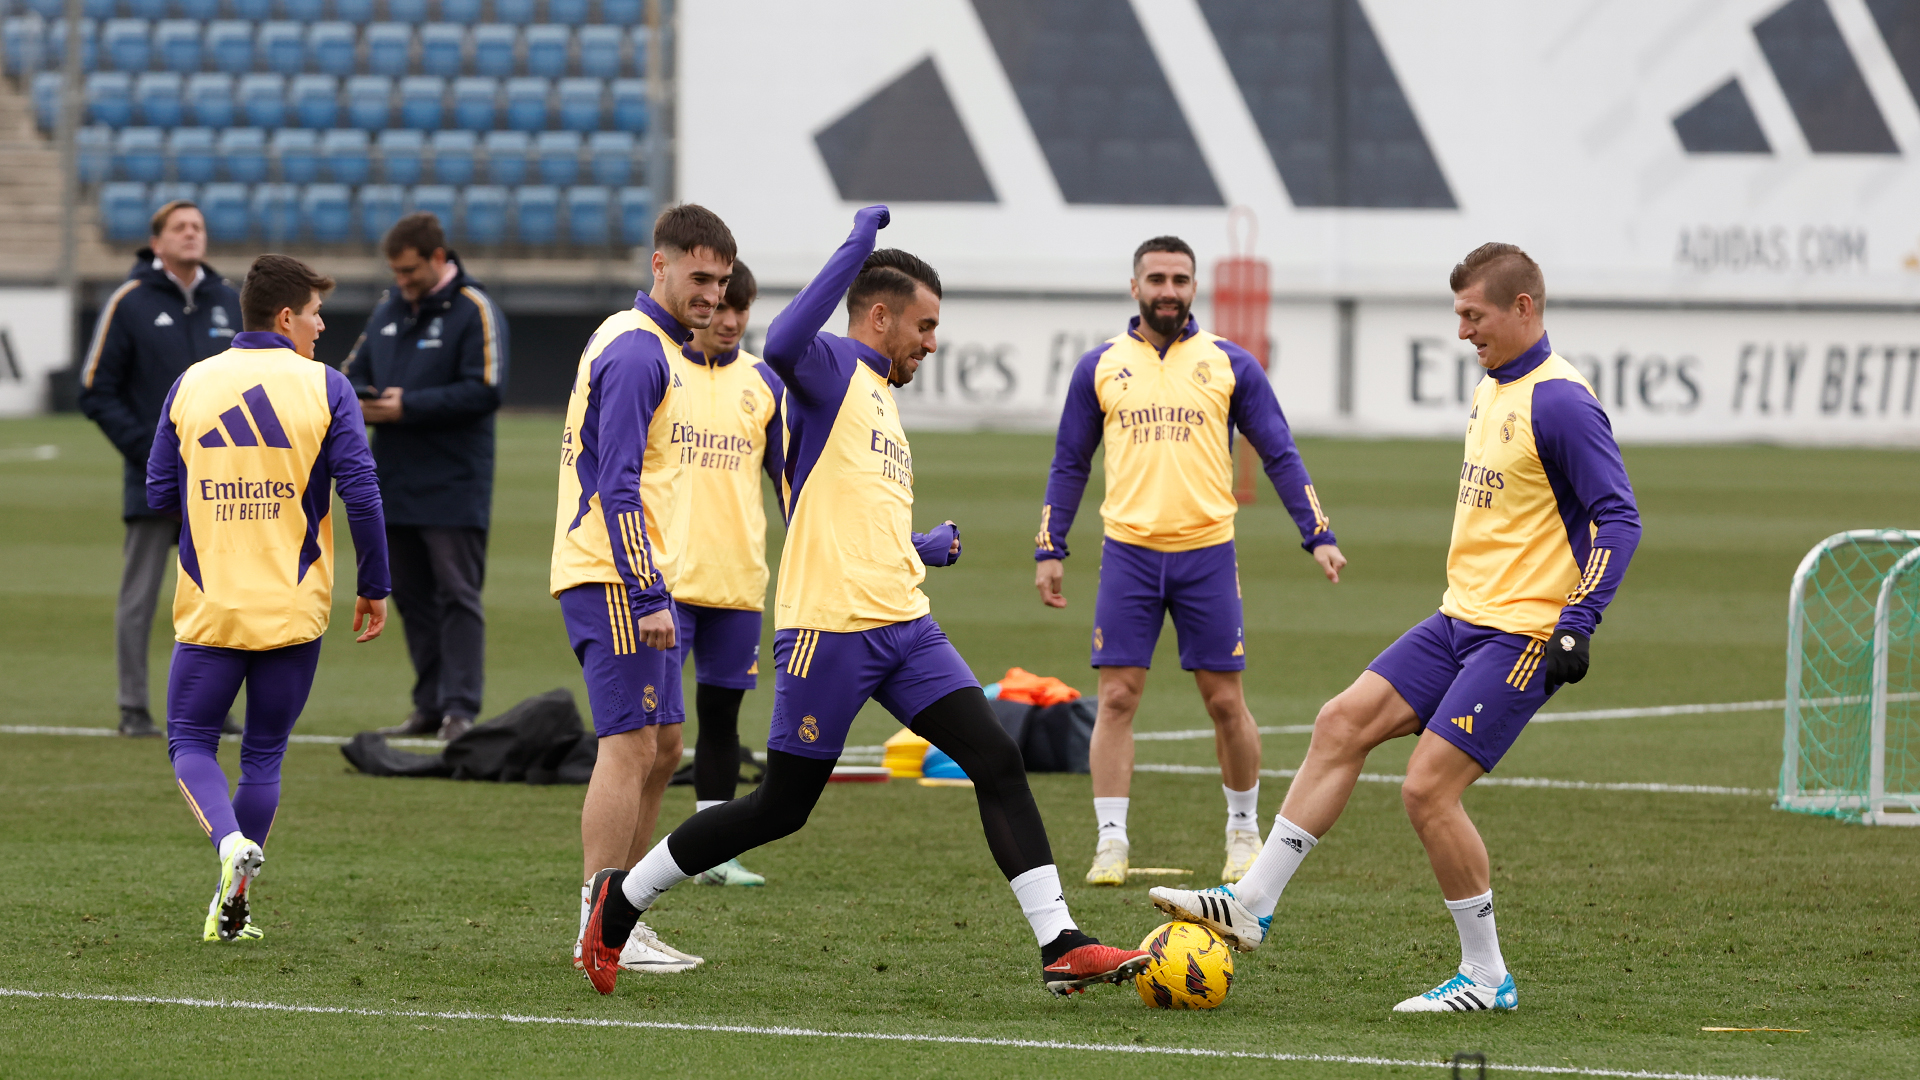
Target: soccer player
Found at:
x=851, y=622
x=731, y=432
x=1544, y=525
x=1167, y=398
x=614, y=551
x=250, y=447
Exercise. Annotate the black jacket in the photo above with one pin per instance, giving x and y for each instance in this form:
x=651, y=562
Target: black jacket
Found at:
x=450, y=358
x=147, y=334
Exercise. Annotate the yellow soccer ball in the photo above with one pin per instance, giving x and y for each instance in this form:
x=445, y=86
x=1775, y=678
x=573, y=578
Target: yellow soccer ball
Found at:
x=1191, y=968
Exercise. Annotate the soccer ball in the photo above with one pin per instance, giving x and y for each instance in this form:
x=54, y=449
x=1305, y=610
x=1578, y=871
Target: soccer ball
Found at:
x=1191, y=968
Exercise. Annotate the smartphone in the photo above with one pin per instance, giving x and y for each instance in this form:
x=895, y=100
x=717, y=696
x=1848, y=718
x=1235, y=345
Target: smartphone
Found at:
x=369, y=393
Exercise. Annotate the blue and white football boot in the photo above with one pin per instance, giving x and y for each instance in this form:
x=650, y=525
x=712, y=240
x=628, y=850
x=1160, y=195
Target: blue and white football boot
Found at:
x=1462, y=994
x=1218, y=910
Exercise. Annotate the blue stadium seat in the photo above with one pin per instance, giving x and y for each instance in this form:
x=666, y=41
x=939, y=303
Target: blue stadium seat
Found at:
x=279, y=48
x=160, y=195
x=369, y=101
x=630, y=110
x=209, y=99
x=89, y=44
x=93, y=152
x=473, y=103
x=274, y=212
x=587, y=224
x=438, y=200
x=527, y=104
x=298, y=151
x=109, y=97
x=47, y=9
x=410, y=11
x=559, y=153
x=328, y=213
x=421, y=98
x=400, y=150
x=150, y=10
x=157, y=93
x=302, y=11
x=198, y=10
x=600, y=51
x=612, y=155
x=621, y=13
x=347, y=156
x=263, y=99
x=243, y=155
x=179, y=43
x=464, y=12
x=567, y=12
x=94, y=9
x=486, y=214
x=493, y=46
x=640, y=36
x=253, y=10
x=128, y=44
x=138, y=154
x=441, y=45
x=453, y=157
x=25, y=43
x=380, y=206
x=389, y=48
x=547, y=50
x=580, y=104
x=46, y=99
x=191, y=150
x=230, y=43
x=517, y=12
x=636, y=216
x=330, y=47
x=315, y=99
x=507, y=157
x=123, y=210
x=357, y=12
x=225, y=208
x=536, y=212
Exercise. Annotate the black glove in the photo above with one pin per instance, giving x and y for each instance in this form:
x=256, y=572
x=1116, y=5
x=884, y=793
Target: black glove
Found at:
x=1566, y=657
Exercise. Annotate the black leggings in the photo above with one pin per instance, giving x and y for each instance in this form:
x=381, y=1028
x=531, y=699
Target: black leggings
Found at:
x=961, y=724
x=716, y=754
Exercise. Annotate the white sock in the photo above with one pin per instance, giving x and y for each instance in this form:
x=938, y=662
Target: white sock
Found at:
x=1043, y=902
x=702, y=804
x=230, y=841
x=1243, y=809
x=652, y=875
x=1287, y=847
x=1479, y=942
x=1111, y=815
x=586, y=904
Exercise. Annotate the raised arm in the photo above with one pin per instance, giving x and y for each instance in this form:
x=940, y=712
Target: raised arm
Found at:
x=351, y=463
x=630, y=377
x=1081, y=423
x=792, y=348
x=1583, y=465
x=1255, y=411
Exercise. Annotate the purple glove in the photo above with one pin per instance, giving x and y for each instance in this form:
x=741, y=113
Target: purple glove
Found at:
x=938, y=548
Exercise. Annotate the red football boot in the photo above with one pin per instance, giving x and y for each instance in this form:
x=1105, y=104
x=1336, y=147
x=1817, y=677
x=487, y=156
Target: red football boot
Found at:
x=1091, y=962
x=601, y=964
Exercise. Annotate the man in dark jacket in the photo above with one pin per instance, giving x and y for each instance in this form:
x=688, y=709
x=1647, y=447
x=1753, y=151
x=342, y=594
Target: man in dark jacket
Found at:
x=430, y=368
x=172, y=312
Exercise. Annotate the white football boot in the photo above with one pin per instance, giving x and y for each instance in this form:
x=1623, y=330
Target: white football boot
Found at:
x=1109, y=863
x=1243, y=846
x=1216, y=909
x=1462, y=994
x=645, y=952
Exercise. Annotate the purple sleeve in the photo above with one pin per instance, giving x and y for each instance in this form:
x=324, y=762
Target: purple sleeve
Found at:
x=1255, y=411
x=163, y=460
x=1589, y=481
x=775, y=459
x=1081, y=424
x=351, y=464
x=936, y=547
x=629, y=378
x=793, y=347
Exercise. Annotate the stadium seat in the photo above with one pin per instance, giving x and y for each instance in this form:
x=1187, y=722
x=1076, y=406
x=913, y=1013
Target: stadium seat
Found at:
x=357, y=12
x=89, y=44
x=486, y=216
x=209, y=99
x=630, y=111
x=301, y=11
x=453, y=157
x=527, y=104
x=109, y=97
x=612, y=155
x=587, y=216
x=274, y=212
x=179, y=43
x=298, y=151
x=400, y=150
x=507, y=157
x=93, y=153
x=137, y=155
x=421, y=101
x=243, y=155
x=389, y=48
x=278, y=47
x=441, y=45
x=123, y=209
x=347, y=156
x=473, y=103
x=621, y=13
x=640, y=36
x=559, y=154
x=600, y=51
x=157, y=93
x=493, y=46
x=327, y=210
x=253, y=10
x=160, y=195
x=25, y=43
x=150, y=10
x=263, y=98
x=438, y=200
x=47, y=9
x=315, y=100
x=636, y=216
x=46, y=99
x=369, y=101
x=547, y=50
x=517, y=12
x=464, y=12
x=191, y=151
x=567, y=12
x=536, y=213
x=580, y=104
x=199, y=10
x=408, y=11
x=330, y=47
x=230, y=44
x=225, y=208
x=128, y=46
x=380, y=206
x=94, y=9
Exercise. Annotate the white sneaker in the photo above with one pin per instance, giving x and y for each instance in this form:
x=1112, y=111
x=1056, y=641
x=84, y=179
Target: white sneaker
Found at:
x=1462, y=994
x=1218, y=910
x=1109, y=863
x=1243, y=846
x=645, y=951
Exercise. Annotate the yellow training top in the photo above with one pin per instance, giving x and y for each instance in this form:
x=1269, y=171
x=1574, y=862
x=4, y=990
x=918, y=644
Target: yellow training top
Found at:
x=730, y=433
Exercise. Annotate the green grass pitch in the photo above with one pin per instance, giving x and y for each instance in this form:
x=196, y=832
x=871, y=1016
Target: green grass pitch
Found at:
x=1631, y=919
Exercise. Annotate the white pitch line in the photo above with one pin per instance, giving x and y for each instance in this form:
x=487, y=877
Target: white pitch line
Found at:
x=863, y=1036
x=1485, y=781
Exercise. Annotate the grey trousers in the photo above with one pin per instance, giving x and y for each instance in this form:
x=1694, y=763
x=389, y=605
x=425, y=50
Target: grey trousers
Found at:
x=147, y=554
x=437, y=577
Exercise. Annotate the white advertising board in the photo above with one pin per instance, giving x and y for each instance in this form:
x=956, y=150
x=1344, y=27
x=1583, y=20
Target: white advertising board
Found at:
x=35, y=338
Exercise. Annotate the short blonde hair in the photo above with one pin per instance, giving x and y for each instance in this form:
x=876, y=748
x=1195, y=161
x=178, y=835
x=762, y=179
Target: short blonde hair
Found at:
x=158, y=223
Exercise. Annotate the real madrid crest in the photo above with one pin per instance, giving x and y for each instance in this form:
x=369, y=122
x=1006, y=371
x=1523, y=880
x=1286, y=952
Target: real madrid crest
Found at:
x=746, y=402
x=1506, y=429
x=648, y=699
x=809, y=729
x=1202, y=374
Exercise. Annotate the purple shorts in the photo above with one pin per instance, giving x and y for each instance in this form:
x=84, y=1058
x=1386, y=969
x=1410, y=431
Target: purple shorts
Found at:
x=1473, y=686
x=822, y=680
x=1139, y=586
x=725, y=644
x=629, y=686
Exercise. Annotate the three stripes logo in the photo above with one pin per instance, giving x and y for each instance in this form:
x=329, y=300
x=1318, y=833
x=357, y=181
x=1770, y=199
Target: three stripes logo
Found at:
x=1464, y=723
x=632, y=539
x=1044, y=540
x=800, y=660
x=1524, y=667
x=620, y=621
x=1597, y=561
x=239, y=432
x=1294, y=842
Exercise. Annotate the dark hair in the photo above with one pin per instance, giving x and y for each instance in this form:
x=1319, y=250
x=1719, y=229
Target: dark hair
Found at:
x=684, y=227
x=1506, y=272
x=275, y=282
x=158, y=223
x=889, y=276
x=419, y=231
x=742, y=289
x=1171, y=244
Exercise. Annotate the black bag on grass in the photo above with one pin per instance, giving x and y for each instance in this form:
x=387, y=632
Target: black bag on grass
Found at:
x=541, y=741
x=1051, y=738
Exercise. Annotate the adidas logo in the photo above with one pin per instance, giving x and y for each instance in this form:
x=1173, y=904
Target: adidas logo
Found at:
x=1123, y=373
x=390, y=330
x=1486, y=909
x=163, y=319
x=1464, y=723
x=1239, y=648
x=1295, y=843
x=234, y=421
x=676, y=381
